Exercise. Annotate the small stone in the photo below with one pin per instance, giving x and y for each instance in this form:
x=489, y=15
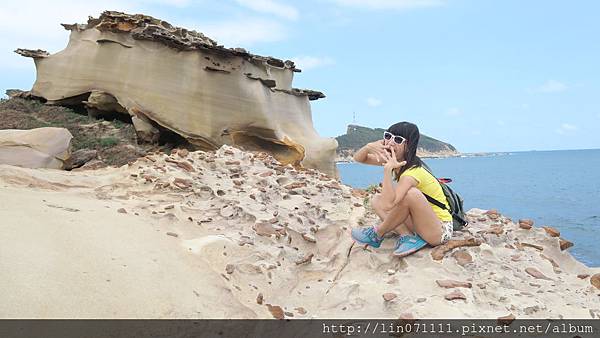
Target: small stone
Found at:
x=172, y=234
x=595, y=280
x=583, y=276
x=525, y=223
x=182, y=183
x=406, y=316
x=462, y=257
x=551, y=260
x=551, y=231
x=276, y=311
x=496, y=230
x=506, y=320
x=259, y=299
x=300, y=310
x=122, y=211
x=448, y=283
x=536, y=273
x=295, y=185
x=455, y=295
x=388, y=296
x=421, y=300
x=564, y=244
x=309, y=238
x=524, y=226
x=183, y=153
x=229, y=268
x=439, y=251
x=535, y=246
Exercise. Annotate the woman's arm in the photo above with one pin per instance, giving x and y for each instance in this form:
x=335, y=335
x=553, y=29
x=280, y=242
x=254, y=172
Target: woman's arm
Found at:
x=372, y=153
x=392, y=196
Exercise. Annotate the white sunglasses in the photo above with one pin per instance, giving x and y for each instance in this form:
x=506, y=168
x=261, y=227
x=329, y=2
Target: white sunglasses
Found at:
x=396, y=138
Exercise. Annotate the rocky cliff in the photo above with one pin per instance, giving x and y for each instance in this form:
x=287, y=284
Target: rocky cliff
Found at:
x=171, y=78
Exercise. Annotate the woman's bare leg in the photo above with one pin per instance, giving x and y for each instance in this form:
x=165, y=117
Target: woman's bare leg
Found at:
x=415, y=210
x=400, y=229
x=376, y=205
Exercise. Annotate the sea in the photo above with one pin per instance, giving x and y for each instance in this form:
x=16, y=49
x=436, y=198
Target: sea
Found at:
x=556, y=188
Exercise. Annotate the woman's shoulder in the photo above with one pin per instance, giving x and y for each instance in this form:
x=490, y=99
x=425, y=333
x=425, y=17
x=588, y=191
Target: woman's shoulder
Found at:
x=414, y=170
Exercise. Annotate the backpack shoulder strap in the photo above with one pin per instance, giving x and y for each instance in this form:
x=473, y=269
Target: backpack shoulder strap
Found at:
x=435, y=202
x=429, y=198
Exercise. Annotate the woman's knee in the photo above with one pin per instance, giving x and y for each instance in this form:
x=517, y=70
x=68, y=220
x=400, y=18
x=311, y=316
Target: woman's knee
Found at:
x=414, y=193
x=376, y=201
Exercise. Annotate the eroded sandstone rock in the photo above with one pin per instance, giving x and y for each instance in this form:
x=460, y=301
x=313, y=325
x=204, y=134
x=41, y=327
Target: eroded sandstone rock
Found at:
x=188, y=84
x=47, y=147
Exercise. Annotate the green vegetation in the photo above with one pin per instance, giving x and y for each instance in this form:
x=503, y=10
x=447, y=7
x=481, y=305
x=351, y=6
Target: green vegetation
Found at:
x=109, y=141
x=118, y=124
x=357, y=136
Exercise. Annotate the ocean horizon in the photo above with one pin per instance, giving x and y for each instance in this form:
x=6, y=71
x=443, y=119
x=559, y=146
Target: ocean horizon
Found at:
x=557, y=188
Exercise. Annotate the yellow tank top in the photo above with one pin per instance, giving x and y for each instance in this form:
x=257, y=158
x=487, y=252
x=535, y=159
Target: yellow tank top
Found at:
x=429, y=185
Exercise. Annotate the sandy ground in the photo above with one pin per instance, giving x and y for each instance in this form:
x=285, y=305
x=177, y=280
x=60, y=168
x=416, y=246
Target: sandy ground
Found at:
x=236, y=235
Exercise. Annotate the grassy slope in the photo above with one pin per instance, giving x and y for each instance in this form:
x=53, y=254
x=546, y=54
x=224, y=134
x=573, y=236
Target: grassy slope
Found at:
x=114, y=140
x=358, y=136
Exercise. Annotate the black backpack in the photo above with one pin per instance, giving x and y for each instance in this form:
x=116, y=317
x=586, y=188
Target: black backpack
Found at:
x=459, y=219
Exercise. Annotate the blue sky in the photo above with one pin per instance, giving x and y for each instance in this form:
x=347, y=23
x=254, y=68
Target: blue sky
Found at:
x=483, y=75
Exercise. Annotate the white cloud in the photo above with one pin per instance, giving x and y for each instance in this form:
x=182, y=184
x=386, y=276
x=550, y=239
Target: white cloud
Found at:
x=389, y=4
x=566, y=128
x=244, y=32
x=453, y=112
x=271, y=7
x=36, y=24
x=373, y=102
x=552, y=86
x=312, y=62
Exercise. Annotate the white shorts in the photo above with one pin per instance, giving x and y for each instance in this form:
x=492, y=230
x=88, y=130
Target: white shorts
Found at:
x=447, y=227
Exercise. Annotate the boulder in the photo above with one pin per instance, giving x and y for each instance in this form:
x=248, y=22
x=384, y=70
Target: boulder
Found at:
x=47, y=147
x=80, y=158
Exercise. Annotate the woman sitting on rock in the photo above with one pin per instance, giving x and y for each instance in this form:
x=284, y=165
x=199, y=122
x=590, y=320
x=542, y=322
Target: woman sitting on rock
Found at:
x=403, y=207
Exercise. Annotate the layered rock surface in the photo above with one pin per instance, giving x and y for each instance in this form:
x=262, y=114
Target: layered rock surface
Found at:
x=234, y=234
x=168, y=77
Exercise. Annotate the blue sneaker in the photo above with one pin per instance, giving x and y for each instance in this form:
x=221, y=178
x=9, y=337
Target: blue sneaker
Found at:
x=409, y=244
x=367, y=236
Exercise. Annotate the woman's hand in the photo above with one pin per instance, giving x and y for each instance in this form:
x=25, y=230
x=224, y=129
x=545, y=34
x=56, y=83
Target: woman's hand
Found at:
x=378, y=149
x=391, y=162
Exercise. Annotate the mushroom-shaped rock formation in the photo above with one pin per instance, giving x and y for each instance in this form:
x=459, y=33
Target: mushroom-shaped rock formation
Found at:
x=171, y=78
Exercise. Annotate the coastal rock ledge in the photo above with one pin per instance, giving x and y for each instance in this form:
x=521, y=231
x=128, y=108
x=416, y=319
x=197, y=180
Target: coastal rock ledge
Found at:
x=235, y=234
x=172, y=79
